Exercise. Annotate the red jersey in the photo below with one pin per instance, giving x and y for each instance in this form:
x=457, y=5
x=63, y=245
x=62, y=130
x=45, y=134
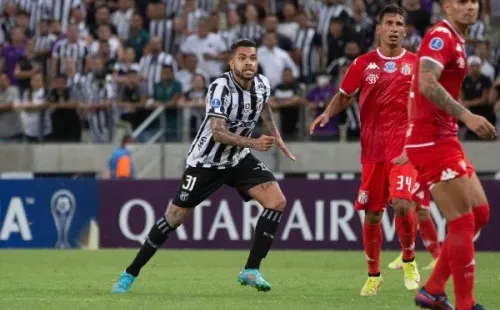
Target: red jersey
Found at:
x=428, y=123
x=385, y=84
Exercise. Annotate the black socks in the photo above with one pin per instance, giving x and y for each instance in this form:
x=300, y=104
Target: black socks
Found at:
x=157, y=236
x=263, y=238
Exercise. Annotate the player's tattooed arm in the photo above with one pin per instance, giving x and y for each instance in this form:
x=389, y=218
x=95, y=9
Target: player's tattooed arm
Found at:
x=432, y=90
x=224, y=136
x=268, y=120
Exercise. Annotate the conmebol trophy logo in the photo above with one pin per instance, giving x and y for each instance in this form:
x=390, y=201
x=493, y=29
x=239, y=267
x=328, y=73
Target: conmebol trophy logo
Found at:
x=63, y=206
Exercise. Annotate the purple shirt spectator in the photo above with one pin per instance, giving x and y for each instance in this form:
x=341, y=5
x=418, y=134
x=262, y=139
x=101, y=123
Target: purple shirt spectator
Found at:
x=321, y=96
x=426, y=5
x=11, y=55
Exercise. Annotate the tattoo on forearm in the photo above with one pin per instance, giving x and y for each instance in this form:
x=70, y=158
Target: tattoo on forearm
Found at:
x=268, y=119
x=435, y=92
x=222, y=135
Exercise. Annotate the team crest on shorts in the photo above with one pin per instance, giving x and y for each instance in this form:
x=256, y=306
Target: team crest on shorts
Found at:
x=406, y=69
x=184, y=196
x=363, y=197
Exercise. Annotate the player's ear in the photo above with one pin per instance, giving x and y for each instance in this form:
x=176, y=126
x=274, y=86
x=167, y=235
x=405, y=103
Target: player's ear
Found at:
x=405, y=31
x=377, y=29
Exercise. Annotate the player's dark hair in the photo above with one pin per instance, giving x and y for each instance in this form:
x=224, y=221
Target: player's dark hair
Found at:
x=392, y=9
x=242, y=43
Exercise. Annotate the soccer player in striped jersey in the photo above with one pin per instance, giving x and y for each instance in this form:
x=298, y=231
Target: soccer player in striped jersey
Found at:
x=220, y=154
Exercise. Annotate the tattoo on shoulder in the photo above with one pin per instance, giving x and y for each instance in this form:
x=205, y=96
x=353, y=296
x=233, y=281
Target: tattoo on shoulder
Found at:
x=434, y=91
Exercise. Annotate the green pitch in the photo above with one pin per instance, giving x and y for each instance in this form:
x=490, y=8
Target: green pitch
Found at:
x=207, y=280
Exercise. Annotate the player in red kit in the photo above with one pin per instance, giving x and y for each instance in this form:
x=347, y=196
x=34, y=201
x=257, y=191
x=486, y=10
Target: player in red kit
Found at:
x=433, y=148
x=383, y=77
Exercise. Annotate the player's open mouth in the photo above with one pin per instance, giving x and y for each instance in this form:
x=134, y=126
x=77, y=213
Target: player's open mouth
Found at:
x=395, y=37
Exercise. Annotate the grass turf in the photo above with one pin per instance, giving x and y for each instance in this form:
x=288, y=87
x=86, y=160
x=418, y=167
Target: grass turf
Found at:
x=174, y=279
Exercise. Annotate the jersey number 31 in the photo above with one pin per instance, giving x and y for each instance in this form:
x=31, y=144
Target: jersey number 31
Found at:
x=190, y=181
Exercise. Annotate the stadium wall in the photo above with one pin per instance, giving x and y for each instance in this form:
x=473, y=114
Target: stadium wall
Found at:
x=311, y=157
x=64, y=213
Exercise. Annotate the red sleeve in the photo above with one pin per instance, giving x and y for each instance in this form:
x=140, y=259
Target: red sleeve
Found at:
x=352, y=79
x=437, y=46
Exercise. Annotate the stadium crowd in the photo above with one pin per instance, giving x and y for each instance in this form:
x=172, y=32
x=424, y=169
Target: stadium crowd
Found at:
x=69, y=66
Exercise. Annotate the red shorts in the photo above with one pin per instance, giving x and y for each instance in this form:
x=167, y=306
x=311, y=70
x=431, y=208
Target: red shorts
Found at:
x=422, y=194
x=440, y=162
x=381, y=182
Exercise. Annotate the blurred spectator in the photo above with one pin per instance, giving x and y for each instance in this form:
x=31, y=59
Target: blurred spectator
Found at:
x=26, y=67
x=102, y=17
x=120, y=165
x=122, y=17
x=194, y=100
x=13, y=52
x=351, y=52
x=23, y=22
x=336, y=38
x=319, y=97
x=289, y=27
x=475, y=94
x=477, y=33
x=105, y=36
x=44, y=41
x=209, y=48
x=274, y=60
x=191, y=68
x=420, y=17
x=331, y=10
x=132, y=96
x=232, y=33
x=159, y=25
x=10, y=125
x=307, y=49
x=7, y=21
x=363, y=24
x=191, y=15
x=287, y=99
x=35, y=118
x=66, y=125
x=167, y=92
x=412, y=39
x=373, y=7
x=173, y=7
x=98, y=98
x=350, y=116
x=138, y=37
x=70, y=47
x=271, y=25
x=78, y=18
x=252, y=29
x=121, y=68
x=483, y=51
x=61, y=10
x=151, y=64
x=495, y=100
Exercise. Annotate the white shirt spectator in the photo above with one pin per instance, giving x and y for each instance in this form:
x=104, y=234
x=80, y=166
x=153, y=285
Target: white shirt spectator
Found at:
x=273, y=62
x=488, y=70
x=121, y=20
x=288, y=29
x=31, y=119
x=185, y=77
x=211, y=44
x=114, y=47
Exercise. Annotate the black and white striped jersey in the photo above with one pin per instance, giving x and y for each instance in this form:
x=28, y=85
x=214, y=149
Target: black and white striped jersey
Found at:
x=65, y=49
x=240, y=108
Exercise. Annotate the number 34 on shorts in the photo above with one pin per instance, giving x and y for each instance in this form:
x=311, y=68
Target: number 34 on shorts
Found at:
x=382, y=182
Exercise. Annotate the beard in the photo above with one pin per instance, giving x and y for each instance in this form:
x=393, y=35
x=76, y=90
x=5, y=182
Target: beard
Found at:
x=244, y=76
